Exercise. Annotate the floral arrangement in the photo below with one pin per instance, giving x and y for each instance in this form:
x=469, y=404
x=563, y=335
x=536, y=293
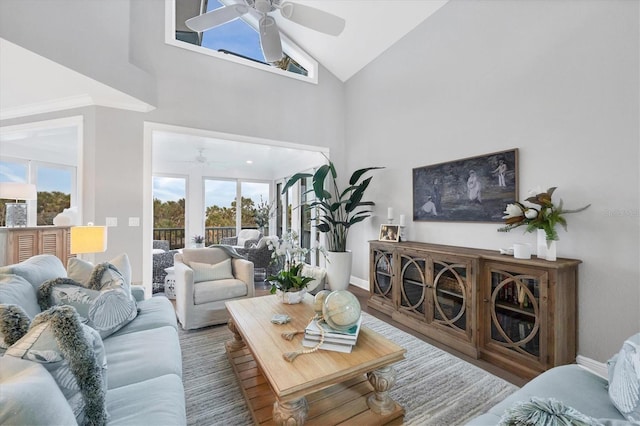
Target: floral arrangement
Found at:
x=198, y=239
x=289, y=256
x=263, y=212
x=539, y=212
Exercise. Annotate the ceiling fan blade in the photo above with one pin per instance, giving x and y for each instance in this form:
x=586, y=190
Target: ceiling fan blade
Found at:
x=313, y=18
x=216, y=17
x=270, y=39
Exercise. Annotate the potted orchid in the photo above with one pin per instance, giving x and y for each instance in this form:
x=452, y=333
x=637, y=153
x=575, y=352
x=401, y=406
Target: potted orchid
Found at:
x=289, y=257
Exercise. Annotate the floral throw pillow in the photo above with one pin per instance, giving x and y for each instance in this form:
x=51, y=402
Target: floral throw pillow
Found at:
x=14, y=323
x=74, y=355
x=624, y=379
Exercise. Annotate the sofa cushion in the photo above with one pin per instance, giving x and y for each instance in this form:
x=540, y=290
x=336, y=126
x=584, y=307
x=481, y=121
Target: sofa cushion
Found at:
x=37, y=269
x=561, y=383
x=214, y=291
x=152, y=313
x=14, y=324
x=207, y=272
x=30, y=395
x=74, y=355
x=15, y=290
x=162, y=403
x=247, y=234
x=135, y=357
x=624, y=379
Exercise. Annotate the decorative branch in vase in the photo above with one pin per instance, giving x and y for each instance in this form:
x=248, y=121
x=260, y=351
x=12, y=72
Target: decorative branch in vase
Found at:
x=538, y=213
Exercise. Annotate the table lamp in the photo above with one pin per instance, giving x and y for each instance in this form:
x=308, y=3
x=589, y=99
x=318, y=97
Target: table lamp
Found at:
x=17, y=212
x=88, y=239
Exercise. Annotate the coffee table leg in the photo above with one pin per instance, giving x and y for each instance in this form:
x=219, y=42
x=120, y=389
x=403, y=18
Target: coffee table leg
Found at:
x=237, y=342
x=290, y=413
x=382, y=381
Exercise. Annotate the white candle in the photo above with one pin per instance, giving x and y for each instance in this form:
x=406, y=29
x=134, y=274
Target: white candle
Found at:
x=390, y=213
x=402, y=218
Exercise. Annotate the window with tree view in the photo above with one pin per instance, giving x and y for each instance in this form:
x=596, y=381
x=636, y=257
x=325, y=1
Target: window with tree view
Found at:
x=169, y=195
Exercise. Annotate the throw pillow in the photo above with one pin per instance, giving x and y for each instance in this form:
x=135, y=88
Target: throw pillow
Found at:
x=15, y=290
x=14, y=324
x=545, y=411
x=106, y=310
x=74, y=355
x=624, y=379
x=207, y=272
x=80, y=270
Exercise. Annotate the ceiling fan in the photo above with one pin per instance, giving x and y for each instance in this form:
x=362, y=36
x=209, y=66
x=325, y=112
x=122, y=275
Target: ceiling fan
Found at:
x=200, y=159
x=307, y=16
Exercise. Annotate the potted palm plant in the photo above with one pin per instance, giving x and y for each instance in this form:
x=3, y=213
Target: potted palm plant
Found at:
x=337, y=211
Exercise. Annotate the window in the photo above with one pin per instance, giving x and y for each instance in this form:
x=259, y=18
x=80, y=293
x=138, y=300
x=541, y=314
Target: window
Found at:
x=169, y=194
x=55, y=185
x=255, y=196
x=220, y=209
x=237, y=40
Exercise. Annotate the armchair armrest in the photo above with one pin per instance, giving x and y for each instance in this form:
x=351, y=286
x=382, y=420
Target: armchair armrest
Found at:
x=243, y=270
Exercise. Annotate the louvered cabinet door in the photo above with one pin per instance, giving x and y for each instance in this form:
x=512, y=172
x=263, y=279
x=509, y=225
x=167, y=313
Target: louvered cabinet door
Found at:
x=52, y=242
x=23, y=245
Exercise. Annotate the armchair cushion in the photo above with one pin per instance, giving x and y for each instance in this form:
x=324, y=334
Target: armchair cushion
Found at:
x=214, y=291
x=208, y=272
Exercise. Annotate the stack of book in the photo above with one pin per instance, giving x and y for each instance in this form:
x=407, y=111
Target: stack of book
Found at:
x=334, y=340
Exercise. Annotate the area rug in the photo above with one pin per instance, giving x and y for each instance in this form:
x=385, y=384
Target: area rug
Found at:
x=433, y=386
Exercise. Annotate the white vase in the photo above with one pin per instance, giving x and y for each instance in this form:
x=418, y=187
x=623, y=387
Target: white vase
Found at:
x=339, y=269
x=541, y=244
x=546, y=249
x=198, y=245
x=551, y=251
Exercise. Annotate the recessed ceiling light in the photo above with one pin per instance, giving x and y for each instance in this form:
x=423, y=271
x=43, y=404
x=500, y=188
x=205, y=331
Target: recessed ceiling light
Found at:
x=249, y=161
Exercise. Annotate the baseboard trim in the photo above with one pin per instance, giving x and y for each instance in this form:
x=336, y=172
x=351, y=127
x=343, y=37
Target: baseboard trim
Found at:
x=358, y=282
x=597, y=367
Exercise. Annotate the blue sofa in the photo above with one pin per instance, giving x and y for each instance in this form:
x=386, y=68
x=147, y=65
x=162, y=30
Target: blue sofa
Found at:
x=144, y=361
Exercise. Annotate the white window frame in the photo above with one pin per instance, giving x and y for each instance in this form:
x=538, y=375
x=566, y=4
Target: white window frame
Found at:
x=288, y=46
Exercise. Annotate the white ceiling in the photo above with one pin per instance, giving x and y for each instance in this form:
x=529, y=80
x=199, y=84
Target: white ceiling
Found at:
x=30, y=83
x=372, y=26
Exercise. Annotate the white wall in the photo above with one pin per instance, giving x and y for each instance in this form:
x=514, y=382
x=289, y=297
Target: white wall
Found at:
x=557, y=80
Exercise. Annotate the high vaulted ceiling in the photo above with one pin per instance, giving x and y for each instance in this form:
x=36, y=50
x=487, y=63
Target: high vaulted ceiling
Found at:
x=372, y=26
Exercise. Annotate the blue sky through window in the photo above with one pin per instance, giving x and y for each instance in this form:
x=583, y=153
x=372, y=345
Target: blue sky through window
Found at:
x=236, y=36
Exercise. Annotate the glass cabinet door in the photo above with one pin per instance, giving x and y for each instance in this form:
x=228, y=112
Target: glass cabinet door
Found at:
x=383, y=271
x=450, y=292
x=412, y=285
x=516, y=311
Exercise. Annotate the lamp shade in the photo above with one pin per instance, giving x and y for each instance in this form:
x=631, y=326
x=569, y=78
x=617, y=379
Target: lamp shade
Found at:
x=18, y=191
x=88, y=239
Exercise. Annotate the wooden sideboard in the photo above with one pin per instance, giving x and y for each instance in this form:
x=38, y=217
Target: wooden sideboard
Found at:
x=518, y=314
x=20, y=244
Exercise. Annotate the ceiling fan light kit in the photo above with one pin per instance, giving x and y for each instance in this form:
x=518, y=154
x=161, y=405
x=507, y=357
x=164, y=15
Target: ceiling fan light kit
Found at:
x=306, y=16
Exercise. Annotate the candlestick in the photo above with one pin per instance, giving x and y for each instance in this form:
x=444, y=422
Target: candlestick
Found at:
x=402, y=220
x=390, y=213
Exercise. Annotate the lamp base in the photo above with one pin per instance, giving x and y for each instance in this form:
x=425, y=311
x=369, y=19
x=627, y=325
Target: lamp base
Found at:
x=16, y=215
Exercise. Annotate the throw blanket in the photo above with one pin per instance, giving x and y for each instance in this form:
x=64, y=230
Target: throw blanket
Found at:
x=229, y=250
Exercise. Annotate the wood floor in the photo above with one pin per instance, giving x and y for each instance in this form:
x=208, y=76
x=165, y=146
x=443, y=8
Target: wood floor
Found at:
x=363, y=296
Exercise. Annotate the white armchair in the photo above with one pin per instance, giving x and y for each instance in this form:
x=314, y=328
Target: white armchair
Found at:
x=205, y=279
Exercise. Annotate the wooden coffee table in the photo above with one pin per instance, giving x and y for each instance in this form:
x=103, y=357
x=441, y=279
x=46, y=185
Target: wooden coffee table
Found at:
x=323, y=387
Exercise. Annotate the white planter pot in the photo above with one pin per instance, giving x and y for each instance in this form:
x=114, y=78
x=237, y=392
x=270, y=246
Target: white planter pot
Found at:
x=339, y=269
x=292, y=297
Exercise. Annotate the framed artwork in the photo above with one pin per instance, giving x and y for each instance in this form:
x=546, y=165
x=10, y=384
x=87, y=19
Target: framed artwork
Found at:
x=389, y=232
x=475, y=189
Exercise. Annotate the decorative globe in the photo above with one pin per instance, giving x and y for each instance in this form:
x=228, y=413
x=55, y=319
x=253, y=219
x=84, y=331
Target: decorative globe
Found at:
x=341, y=310
x=318, y=300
